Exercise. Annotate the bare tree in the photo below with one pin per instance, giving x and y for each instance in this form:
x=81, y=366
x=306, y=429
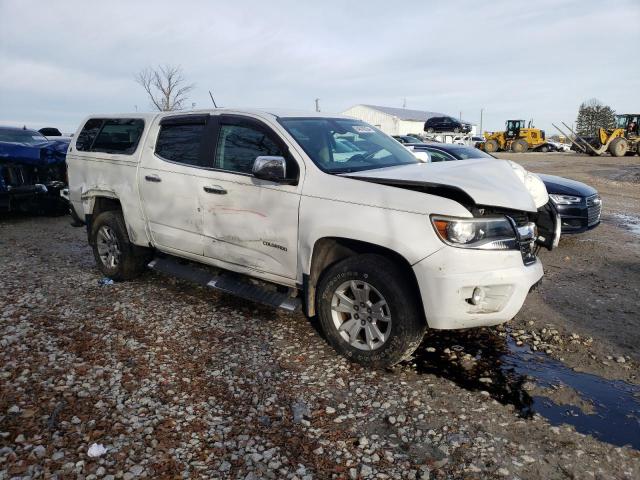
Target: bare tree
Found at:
x=165, y=86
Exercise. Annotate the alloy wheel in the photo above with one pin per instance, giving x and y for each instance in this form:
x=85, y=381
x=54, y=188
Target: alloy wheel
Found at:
x=361, y=315
x=108, y=247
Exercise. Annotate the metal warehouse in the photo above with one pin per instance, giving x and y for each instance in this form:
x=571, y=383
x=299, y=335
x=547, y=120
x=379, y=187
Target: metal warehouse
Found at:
x=395, y=121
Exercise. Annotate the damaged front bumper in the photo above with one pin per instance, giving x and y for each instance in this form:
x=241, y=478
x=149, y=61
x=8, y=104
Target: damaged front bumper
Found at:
x=464, y=288
x=449, y=278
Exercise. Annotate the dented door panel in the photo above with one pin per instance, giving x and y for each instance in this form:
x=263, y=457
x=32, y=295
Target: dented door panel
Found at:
x=250, y=222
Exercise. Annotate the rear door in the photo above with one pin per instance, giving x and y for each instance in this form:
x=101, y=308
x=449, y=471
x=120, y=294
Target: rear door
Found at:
x=177, y=150
x=249, y=222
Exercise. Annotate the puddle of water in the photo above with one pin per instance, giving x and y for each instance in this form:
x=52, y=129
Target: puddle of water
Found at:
x=629, y=222
x=519, y=376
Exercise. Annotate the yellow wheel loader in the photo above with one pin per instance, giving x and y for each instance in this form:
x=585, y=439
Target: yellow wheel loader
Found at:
x=517, y=137
x=622, y=140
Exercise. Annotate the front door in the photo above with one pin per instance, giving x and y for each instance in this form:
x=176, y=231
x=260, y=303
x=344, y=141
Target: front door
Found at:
x=246, y=221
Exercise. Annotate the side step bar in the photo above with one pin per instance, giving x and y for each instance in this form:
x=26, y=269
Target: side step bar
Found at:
x=224, y=282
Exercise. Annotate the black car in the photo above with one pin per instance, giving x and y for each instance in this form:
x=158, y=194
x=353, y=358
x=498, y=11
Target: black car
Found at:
x=407, y=139
x=578, y=204
x=446, y=124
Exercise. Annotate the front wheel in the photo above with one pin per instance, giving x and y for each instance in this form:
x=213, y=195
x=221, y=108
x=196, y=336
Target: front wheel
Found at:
x=618, y=147
x=115, y=255
x=369, y=312
x=519, y=146
x=490, y=146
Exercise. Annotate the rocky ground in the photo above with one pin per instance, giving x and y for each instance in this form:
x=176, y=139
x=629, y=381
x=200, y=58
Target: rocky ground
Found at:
x=175, y=381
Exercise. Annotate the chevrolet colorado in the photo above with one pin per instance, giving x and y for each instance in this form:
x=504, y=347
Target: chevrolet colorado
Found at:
x=322, y=213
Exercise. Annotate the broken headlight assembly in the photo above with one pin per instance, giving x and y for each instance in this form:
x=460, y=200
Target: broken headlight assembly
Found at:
x=497, y=233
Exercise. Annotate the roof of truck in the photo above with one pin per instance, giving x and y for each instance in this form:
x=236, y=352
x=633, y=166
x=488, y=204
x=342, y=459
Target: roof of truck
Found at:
x=275, y=112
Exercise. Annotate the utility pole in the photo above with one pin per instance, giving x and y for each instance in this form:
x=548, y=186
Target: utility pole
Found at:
x=317, y=104
x=404, y=102
x=460, y=116
x=481, y=111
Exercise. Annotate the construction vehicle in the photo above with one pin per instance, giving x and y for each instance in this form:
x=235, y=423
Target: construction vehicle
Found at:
x=623, y=139
x=516, y=137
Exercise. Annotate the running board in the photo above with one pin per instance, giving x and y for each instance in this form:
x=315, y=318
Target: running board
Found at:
x=224, y=282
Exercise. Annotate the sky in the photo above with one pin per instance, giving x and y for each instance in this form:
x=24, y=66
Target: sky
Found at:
x=64, y=60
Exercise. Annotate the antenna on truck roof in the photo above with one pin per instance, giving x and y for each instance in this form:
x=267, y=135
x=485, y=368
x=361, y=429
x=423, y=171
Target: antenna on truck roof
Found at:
x=214, y=102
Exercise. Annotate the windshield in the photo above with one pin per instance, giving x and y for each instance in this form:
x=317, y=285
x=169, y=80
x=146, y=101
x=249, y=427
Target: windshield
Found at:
x=345, y=145
x=29, y=137
x=464, y=153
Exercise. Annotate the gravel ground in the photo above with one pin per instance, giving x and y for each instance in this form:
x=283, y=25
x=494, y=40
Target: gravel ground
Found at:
x=176, y=381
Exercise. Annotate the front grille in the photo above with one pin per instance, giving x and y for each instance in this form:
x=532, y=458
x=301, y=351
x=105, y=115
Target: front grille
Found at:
x=528, y=248
x=526, y=244
x=594, y=207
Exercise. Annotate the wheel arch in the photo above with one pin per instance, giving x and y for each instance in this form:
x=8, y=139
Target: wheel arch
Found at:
x=330, y=250
x=97, y=203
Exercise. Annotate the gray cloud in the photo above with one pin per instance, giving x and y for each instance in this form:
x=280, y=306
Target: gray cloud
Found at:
x=64, y=60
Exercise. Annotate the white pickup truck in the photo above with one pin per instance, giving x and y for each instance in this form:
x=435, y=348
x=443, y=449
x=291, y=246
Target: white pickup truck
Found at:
x=323, y=213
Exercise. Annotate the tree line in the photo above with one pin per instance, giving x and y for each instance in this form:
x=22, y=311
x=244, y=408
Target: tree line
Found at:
x=592, y=115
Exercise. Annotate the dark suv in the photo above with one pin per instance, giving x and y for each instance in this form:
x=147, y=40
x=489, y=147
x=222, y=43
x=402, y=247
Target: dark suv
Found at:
x=446, y=124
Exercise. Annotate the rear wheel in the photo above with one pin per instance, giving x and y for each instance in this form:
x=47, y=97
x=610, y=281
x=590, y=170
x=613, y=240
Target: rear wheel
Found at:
x=491, y=146
x=430, y=130
x=618, y=147
x=544, y=149
x=456, y=130
x=519, y=146
x=369, y=312
x=116, y=256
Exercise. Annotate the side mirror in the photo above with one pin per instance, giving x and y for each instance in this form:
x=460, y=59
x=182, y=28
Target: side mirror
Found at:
x=270, y=168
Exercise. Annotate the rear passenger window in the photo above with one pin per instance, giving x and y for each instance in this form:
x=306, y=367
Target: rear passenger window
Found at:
x=238, y=147
x=88, y=134
x=182, y=143
x=119, y=135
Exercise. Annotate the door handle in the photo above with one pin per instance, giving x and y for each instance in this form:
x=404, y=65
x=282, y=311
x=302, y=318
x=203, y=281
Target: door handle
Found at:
x=152, y=178
x=216, y=189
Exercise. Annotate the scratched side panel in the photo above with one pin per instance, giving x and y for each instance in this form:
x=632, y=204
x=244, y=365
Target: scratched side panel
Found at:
x=254, y=224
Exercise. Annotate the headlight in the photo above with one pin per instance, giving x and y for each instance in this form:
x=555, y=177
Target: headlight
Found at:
x=481, y=233
x=532, y=182
x=565, y=199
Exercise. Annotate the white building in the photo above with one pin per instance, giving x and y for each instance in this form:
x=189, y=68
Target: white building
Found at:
x=395, y=121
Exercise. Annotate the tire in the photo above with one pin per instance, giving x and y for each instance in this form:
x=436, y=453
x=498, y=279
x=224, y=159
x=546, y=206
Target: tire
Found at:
x=490, y=146
x=456, y=130
x=395, y=339
x=519, y=146
x=618, y=147
x=544, y=149
x=116, y=257
x=430, y=130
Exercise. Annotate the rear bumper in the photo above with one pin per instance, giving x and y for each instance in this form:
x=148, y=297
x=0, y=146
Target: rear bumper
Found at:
x=448, y=278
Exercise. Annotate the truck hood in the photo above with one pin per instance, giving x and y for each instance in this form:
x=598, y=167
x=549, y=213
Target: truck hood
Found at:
x=487, y=182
